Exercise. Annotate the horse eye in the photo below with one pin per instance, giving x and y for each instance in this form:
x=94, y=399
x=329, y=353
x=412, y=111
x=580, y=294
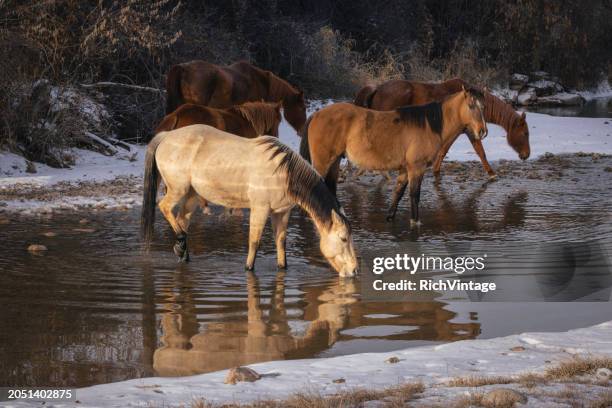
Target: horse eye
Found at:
x=343, y=239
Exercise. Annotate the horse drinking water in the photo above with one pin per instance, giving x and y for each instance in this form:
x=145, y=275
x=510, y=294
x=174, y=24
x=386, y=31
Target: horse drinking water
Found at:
x=407, y=139
x=261, y=174
x=398, y=92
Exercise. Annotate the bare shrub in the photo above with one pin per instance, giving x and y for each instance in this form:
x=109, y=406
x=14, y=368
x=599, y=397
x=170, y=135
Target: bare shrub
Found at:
x=464, y=61
x=332, y=68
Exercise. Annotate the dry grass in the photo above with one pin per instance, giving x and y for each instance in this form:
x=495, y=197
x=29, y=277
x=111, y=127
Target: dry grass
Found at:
x=577, y=367
x=467, y=401
x=393, y=397
x=479, y=381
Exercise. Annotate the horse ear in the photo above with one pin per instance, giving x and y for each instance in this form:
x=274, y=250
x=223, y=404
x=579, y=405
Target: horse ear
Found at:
x=523, y=116
x=336, y=219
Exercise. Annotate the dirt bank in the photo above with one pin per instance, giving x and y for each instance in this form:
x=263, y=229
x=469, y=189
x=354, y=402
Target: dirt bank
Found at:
x=125, y=191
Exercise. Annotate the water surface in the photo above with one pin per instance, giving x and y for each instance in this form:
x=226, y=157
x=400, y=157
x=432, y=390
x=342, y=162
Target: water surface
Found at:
x=94, y=309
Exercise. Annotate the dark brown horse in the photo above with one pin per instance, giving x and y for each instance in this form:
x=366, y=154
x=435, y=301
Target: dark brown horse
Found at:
x=217, y=86
x=396, y=93
x=248, y=120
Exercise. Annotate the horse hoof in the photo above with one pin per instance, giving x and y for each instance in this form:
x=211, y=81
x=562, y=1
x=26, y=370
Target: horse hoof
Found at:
x=493, y=177
x=415, y=224
x=249, y=268
x=282, y=267
x=390, y=218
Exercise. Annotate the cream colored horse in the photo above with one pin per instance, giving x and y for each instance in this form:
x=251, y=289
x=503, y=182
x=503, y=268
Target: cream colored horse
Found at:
x=262, y=174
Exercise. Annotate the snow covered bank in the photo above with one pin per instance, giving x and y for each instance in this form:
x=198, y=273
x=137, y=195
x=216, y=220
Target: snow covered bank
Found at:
x=548, y=134
x=434, y=366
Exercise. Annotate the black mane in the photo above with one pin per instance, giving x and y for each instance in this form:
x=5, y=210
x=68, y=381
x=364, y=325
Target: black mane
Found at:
x=304, y=184
x=419, y=114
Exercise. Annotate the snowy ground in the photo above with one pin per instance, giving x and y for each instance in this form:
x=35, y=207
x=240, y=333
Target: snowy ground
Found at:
x=434, y=366
x=548, y=134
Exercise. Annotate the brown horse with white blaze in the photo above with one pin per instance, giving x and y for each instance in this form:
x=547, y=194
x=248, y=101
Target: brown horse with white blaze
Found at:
x=396, y=93
x=207, y=84
x=407, y=139
x=249, y=120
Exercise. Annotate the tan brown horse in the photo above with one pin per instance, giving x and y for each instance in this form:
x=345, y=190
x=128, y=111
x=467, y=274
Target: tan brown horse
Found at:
x=262, y=174
x=395, y=93
x=407, y=139
x=218, y=86
x=248, y=120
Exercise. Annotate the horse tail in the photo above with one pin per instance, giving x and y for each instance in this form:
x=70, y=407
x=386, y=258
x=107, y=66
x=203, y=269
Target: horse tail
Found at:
x=151, y=183
x=364, y=96
x=174, y=97
x=304, y=145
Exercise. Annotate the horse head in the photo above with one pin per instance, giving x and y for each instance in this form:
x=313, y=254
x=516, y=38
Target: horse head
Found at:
x=294, y=108
x=518, y=137
x=337, y=245
x=472, y=113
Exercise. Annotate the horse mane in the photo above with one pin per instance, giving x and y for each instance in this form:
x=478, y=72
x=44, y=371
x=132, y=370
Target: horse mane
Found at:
x=420, y=114
x=261, y=115
x=499, y=112
x=304, y=184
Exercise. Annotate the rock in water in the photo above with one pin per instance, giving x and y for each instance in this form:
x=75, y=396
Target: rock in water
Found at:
x=545, y=88
x=238, y=374
x=37, y=248
x=540, y=75
x=561, y=99
x=518, y=81
x=527, y=97
x=503, y=397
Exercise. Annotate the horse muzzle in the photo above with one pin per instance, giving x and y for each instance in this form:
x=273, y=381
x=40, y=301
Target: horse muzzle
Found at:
x=482, y=133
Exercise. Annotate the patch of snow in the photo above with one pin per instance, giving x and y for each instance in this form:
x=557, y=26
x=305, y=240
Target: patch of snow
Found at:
x=431, y=365
x=89, y=166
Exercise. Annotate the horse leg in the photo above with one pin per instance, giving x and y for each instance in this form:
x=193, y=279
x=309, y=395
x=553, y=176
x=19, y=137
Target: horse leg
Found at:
x=167, y=205
x=440, y=157
x=398, y=193
x=184, y=218
x=415, y=181
x=279, y=225
x=257, y=223
x=479, y=149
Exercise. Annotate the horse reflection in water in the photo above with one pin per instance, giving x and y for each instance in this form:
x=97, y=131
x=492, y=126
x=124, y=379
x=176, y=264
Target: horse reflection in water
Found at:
x=451, y=210
x=268, y=335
